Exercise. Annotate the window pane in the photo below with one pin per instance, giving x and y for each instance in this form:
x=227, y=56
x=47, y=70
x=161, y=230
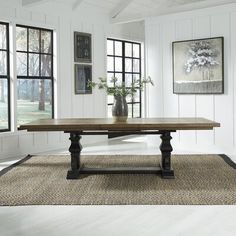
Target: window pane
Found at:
x=4, y=104
x=136, y=108
x=128, y=49
x=128, y=65
x=34, y=100
x=109, y=111
x=136, y=48
x=33, y=40
x=3, y=63
x=46, y=62
x=109, y=78
x=110, y=49
x=127, y=54
x=136, y=76
x=21, y=39
x=46, y=42
x=3, y=39
x=33, y=64
x=129, y=110
x=21, y=61
x=128, y=80
x=118, y=64
x=136, y=65
x=136, y=97
x=118, y=48
x=119, y=78
x=110, y=63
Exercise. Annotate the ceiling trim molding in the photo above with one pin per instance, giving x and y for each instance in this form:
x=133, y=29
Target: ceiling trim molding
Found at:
x=76, y=4
x=31, y=3
x=123, y=4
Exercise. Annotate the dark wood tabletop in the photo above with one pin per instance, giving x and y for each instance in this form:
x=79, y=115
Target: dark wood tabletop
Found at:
x=101, y=124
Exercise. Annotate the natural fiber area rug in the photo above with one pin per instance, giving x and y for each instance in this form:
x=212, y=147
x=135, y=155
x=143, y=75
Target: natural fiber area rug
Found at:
x=41, y=180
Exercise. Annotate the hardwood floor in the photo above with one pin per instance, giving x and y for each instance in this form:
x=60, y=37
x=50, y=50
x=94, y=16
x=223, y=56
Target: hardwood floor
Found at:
x=117, y=220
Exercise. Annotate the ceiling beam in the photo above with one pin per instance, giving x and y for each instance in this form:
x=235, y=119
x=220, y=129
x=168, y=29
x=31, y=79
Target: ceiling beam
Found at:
x=76, y=4
x=127, y=19
x=32, y=3
x=123, y=4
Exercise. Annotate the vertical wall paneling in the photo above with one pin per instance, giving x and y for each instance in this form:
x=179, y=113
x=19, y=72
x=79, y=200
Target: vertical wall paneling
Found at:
x=65, y=70
x=26, y=143
x=170, y=110
x=38, y=17
x=220, y=26
x=6, y=13
x=68, y=104
x=77, y=99
x=146, y=46
x=204, y=103
x=23, y=14
x=233, y=60
x=10, y=144
x=51, y=20
x=184, y=31
x=154, y=69
x=88, y=104
x=53, y=138
x=40, y=139
x=99, y=47
x=211, y=22
x=154, y=94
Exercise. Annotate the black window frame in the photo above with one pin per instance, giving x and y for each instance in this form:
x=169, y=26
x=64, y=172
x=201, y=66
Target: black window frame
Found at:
x=7, y=50
x=40, y=53
x=123, y=72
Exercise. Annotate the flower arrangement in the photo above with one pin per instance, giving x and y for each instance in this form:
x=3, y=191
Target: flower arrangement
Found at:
x=121, y=89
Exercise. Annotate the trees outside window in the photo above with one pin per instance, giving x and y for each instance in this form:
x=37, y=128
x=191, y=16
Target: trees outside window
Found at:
x=4, y=78
x=34, y=52
x=124, y=63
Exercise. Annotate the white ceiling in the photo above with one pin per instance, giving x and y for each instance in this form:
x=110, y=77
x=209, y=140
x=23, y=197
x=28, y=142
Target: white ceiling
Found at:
x=132, y=10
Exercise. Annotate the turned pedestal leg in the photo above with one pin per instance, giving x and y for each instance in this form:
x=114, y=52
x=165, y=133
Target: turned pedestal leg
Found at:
x=166, y=149
x=75, y=149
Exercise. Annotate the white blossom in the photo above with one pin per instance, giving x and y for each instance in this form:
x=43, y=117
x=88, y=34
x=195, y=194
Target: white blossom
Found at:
x=202, y=55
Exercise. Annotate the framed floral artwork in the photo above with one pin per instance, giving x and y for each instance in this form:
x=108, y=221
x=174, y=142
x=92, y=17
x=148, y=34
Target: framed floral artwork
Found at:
x=198, y=66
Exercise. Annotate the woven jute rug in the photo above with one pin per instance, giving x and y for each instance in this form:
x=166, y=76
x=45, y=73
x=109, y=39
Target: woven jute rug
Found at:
x=41, y=180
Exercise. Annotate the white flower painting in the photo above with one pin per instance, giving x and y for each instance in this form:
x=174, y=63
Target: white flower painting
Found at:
x=198, y=66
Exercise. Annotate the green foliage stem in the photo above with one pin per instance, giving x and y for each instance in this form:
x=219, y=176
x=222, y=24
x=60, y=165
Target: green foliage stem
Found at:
x=121, y=90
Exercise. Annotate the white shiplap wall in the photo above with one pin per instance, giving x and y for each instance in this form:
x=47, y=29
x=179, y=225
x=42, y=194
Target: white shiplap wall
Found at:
x=64, y=21
x=14, y=144
x=160, y=32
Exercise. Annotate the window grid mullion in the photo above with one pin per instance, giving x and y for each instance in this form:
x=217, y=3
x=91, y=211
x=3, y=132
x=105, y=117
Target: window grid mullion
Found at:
x=114, y=69
x=123, y=72
x=40, y=56
x=132, y=66
x=123, y=62
x=8, y=73
x=140, y=73
x=7, y=78
x=27, y=52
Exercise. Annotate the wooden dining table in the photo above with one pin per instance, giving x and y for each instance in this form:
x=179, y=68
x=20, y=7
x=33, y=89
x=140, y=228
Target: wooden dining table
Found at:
x=77, y=127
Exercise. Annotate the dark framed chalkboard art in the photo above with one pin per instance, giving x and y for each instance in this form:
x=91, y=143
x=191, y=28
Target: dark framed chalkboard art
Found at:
x=83, y=75
x=82, y=47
